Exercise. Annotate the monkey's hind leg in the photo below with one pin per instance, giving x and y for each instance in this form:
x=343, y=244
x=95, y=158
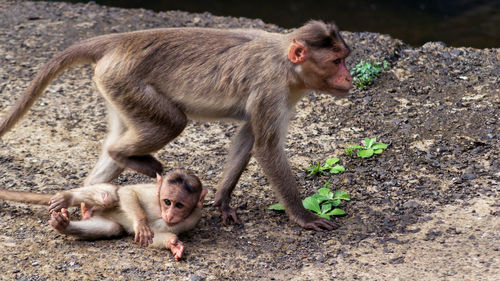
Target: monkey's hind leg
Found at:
x=106, y=169
x=152, y=121
x=94, y=228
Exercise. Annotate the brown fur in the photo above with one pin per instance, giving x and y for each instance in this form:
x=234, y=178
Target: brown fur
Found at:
x=154, y=80
x=25, y=197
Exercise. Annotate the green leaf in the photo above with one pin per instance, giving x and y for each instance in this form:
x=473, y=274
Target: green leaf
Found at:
x=331, y=161
x=366, y=71
x=335, y=202
x=330, y=196
x=369, y=142
x=365, y=153
x=315, y=168
x=349, y=150
x=341, y=195
x=311, y=172
x=277, y=207
x=337, y=169
x=378, y=151
x=323, y=168
x=324, y=191
x=311, y=204
x=379, y=145
x=312, y=169
x=323, y=216
x=320, y=198
x=325, y=208
x=336, y=212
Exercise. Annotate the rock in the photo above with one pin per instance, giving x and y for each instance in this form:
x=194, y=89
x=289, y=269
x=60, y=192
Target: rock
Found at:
x=195, y=277
x=411, y=204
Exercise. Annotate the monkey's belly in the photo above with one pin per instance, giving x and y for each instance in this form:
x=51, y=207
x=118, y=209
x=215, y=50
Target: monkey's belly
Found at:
x=210, y=114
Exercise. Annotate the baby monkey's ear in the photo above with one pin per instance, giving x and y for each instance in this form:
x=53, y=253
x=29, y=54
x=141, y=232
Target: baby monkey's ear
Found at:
x=159, y=180
x=202, y=197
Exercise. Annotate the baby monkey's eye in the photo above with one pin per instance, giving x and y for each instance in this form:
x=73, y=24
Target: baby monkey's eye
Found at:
x=179, y=205
x=167, y=202
x=337, y=61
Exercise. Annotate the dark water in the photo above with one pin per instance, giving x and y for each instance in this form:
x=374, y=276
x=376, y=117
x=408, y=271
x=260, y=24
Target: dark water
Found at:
x=471, y=23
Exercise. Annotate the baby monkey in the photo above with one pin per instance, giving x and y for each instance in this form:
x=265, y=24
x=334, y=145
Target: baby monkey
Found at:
x=154, y=213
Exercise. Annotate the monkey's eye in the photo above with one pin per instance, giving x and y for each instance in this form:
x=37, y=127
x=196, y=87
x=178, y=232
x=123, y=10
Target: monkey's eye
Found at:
x=167, y=202
x=337, y=61
x=179, y=205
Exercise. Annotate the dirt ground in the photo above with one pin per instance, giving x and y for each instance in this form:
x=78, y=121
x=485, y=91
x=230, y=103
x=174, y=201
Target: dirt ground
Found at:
x=427, y=208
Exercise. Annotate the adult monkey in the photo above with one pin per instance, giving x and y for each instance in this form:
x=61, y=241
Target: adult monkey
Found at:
x=153, y=80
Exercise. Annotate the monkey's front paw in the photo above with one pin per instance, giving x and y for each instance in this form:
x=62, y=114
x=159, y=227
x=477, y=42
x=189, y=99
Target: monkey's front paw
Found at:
x=57, y=202
x=316, y=223
x=226, y=213
x=320, y=224
x=229, y=213
x=59, y=220
x=143, y=234
x=176, y=247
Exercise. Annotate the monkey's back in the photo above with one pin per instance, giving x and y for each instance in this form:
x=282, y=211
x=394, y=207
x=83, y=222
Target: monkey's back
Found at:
x=195, y=68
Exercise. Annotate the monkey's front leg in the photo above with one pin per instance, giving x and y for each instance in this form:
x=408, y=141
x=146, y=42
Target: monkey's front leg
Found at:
x=236, y=163
x=274, y=162
x=130, y=204
x=269, y=127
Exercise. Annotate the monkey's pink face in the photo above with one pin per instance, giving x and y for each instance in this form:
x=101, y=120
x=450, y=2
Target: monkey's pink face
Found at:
x=325, y=71
x=176, y=204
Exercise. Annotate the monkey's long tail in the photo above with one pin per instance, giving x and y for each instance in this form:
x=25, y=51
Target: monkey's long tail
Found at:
x=87, y=51
x=25, y=197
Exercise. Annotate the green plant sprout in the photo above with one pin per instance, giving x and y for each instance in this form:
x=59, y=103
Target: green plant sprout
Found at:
x=366, y=71
x=330, y=165
x=371, y=147
x=323, y=203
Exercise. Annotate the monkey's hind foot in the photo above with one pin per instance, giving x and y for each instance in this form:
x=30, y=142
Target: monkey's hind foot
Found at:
x=145, y=164
x=59, y=220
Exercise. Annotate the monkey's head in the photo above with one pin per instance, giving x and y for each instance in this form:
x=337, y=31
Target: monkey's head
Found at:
x=180, y=193
x=319, y=52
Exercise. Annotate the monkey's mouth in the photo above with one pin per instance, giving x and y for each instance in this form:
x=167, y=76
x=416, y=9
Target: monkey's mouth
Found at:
x=340, y=92
x=170, y=224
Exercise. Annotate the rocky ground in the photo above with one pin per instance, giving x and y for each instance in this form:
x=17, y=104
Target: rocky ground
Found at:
x=427, y=208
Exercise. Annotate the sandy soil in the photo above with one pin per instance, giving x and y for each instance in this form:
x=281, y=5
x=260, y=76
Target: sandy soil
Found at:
x=428, y=208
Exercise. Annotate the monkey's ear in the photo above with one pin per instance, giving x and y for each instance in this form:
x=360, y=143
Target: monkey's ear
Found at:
x=202, y=196
x=159, y=180
x=296, y=52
